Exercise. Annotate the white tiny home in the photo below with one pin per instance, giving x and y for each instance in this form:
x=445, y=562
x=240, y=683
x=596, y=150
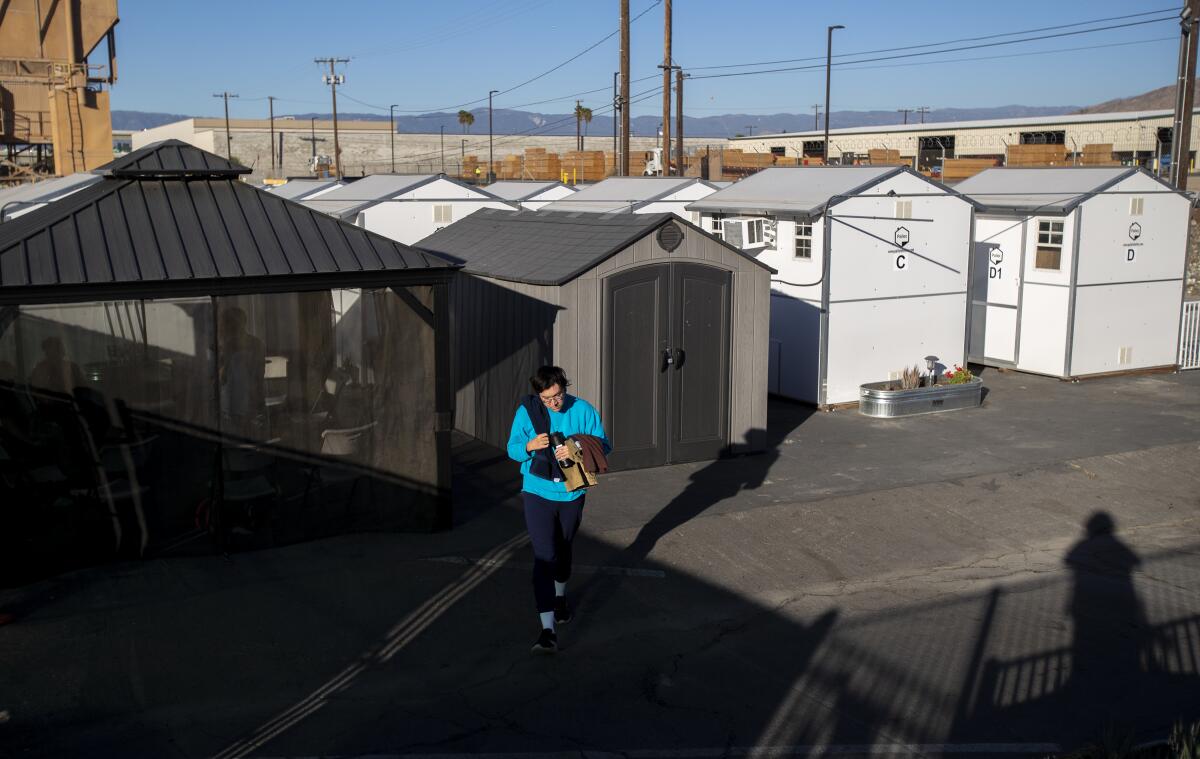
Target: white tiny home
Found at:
x=531, y=196
x=872, y=271
x=303, y=189
x=1076, y=271
x=637, y=195
x=23, y=198
x=405, y=207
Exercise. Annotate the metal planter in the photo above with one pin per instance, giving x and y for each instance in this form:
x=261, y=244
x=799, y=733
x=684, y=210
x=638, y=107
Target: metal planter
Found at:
x=877, y=401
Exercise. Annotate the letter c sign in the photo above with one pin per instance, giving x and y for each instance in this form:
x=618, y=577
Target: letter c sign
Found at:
x=901, y=262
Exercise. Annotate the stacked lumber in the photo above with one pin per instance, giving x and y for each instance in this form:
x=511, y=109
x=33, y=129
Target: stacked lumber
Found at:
x=957, y=169
x=584, y=165
x=540, y=164
x=884, y=157
x=637, y=162
x=1098, y=154
x=812, y=160
x=1037, y=155
x=510, y=167
x=782, y=160
x=469, y=164
x=734, y=157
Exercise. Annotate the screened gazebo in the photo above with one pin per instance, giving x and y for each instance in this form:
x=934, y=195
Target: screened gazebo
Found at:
x=189, y=362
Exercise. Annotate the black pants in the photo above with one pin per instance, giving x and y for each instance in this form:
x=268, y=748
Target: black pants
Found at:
x=552, y=526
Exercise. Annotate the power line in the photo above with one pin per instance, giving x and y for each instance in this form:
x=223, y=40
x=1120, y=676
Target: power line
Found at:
x=937, y=44
x=938, y=52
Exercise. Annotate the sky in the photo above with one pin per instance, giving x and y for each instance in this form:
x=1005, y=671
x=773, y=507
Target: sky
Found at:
x=446, y=54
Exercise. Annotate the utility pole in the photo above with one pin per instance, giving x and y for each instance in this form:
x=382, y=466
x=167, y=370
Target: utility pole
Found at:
x=578, y=143
x=750, y=130
x=679, y=75
x=905, y=111
x=616, y=169
x=392, y=136
x=1185, y=88
x=442, y=145
x=228, y=138
x=828, y=60
x=271, y=118
x=624, y=88
x=816, y=116
x=666, y=91
x=312, y=130
x=922, y=111
x=491, y=175
x=333, y=80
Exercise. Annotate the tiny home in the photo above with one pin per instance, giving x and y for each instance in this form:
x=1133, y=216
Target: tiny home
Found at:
x=1076, y=271
x=872, y=271
x=658, y=324
x=637, y=195
x=404, y=207
x=23, y=198
x=303, y=189
x=531, y=196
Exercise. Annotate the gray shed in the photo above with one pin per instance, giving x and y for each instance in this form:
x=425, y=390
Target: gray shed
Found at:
x=659, y=324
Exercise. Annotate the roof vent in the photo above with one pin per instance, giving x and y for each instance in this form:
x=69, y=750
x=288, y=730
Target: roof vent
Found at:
x=669, y=236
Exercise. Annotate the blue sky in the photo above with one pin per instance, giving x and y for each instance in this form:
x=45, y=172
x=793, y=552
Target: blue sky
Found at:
x=172, y=56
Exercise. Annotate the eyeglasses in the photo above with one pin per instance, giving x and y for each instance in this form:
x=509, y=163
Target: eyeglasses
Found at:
x=548, y=399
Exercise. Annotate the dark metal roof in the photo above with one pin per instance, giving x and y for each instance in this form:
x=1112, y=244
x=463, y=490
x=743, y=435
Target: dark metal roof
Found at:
x=145, y=238
x=172, y=158
x=544, y=247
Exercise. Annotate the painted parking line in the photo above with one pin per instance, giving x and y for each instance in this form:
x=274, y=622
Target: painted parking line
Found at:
x=584, y=568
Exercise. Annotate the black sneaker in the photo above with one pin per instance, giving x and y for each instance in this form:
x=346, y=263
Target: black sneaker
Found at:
x=547, y=642
x=562, y=611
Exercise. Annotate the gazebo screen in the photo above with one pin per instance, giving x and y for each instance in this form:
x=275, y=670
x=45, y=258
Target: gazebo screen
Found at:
x=138, y=427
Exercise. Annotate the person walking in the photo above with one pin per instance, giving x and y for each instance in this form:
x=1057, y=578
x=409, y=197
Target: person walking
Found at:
x=552, y=514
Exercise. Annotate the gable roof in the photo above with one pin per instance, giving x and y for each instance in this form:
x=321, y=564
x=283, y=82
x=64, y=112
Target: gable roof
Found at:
x=1051, y=190
x=519, y=190
x=19, y=199
x=800, y=191
x=299, y=189
x=346, y=201
x=545, y=247
x=174, y=159
x=623, y=193
x=147, y=237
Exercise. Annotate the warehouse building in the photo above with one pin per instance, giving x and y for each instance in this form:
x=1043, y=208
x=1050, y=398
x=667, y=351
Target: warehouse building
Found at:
x=1140, y=138
x=1076, y=271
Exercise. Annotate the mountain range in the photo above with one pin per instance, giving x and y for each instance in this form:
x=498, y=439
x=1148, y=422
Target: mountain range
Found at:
x=506, y=121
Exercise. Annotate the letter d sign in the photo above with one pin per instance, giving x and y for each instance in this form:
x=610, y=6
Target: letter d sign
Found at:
x=1130, y=254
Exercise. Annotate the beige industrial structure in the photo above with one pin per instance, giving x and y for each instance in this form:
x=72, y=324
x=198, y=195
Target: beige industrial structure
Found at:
x=366, y=145
x=1140, y=138
x=51, y=94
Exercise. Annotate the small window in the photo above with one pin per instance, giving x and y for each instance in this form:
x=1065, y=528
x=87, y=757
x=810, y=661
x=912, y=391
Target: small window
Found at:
x=718, y=226
x=1049, y=246
x=443, y=214
x=803, y=241
x=754, y=231
x=903, y=209
x=1135, y=206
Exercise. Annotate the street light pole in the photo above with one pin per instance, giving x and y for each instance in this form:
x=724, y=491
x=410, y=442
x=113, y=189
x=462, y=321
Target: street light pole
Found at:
x=442, y=144
x=828, y=61
x=490, y=174
x=392, y=127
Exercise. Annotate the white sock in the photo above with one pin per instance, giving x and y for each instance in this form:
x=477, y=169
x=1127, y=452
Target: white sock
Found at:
x=560, y=588
x=547, y=618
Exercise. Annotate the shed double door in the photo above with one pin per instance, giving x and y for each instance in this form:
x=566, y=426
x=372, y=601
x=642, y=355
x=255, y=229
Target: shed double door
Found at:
x=666, y=364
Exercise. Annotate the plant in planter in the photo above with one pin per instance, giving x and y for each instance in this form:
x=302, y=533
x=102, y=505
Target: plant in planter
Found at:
x=958, y=375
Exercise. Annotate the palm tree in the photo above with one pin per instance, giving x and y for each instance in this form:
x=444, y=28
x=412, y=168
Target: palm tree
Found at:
x=584, y=115
x=466, y=118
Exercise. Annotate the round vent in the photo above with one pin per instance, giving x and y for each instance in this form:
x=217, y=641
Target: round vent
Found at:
x=670, y=236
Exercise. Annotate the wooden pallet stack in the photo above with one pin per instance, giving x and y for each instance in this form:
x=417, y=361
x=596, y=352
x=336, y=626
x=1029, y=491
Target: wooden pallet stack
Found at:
x=540, y=164
x=958, y=169
x=1037, y=155
x=511, y=167
x=884, y=157
x=469, y=164
x=637, y=162
x=1098, y=154
x=786, y=160
x=584, y=165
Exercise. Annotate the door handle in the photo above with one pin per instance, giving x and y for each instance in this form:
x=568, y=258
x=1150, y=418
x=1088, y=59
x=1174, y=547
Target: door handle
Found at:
x=667, y=359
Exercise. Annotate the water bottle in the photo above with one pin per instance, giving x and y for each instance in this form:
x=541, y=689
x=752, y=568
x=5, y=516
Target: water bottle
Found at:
x=557, y=441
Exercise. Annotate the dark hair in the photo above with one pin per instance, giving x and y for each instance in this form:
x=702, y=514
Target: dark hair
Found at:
x=547, y=377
